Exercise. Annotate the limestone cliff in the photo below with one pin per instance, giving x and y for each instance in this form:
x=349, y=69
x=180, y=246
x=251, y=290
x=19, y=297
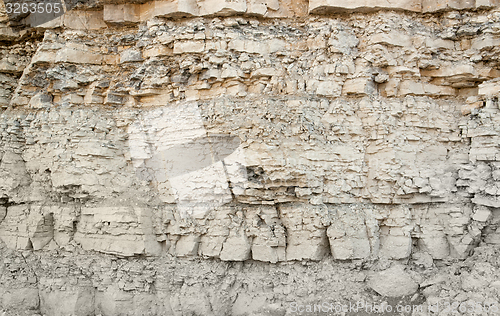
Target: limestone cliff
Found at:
x=210, y=157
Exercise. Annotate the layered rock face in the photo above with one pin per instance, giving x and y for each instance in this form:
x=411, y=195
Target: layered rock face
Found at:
x=156, y=154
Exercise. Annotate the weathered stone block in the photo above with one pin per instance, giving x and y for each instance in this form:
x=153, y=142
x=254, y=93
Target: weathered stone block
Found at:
x=486, y=201
x=122, y=13
x=490, y=88
x=40, y=228
x=487, y=4
x=343, y=43
x=265, y=72
x=71, y=55
x=130, y=55
x=14, y=228
x=211, y=7
x=485, y=41
x=302, y=246
x=249, y=46
x=257, y=7
x=189, y=47
x=174, y=8
x=84, y=20
x=435, y=90
x=266, y=253
x=124, y=231
x=353, y=234
x=187, y=246
x=408, y=87
x=157, y=51
x=481, y=214
x=211, y=246
x=437, y=43
x=395, y=247
x=435, y=243
x=350, y=248
x=469, y=107
x=359, y=86
x=236, y=248
x=451, y=70
x=40, y=101
x=78, y=302
x=42, y=23
x=245, y=304
x=9, y=67
x=390, y=88
x=9, y=34
x=16, y=298
x=457, y=75
x=42, y=57
x=329, y=88
x=270, y=243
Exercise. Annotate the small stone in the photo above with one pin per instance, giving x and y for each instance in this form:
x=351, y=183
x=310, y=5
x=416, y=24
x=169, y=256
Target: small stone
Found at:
x=490, y=88
x=393, y=282
x=71, y=55
x=130, y=55
x=189, y=47
x=236, y=248
x=40, y=100
x=481, y=214
x=359, y=86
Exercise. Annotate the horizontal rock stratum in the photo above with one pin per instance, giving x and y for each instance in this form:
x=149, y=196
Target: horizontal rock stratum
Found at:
x=131, y=13
x=282, y=153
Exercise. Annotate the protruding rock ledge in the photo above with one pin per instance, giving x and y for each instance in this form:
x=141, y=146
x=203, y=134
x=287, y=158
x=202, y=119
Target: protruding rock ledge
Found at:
x=445, y=5
x=328, y=6
x=132, y=13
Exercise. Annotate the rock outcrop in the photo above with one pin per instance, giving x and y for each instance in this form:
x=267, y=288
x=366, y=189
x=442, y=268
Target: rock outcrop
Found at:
x=144, y=144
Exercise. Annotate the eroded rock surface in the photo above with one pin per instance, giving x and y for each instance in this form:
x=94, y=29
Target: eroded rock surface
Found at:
x=153, y=154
